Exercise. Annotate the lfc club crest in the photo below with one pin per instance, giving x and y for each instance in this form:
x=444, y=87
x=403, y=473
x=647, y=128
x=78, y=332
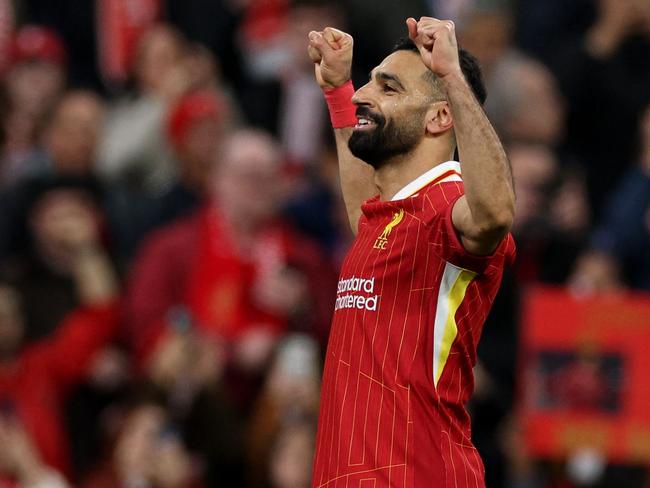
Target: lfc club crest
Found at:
x=382, y=240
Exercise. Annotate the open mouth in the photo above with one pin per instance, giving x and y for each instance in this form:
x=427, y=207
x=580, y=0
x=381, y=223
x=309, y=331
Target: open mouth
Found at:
x=365, y=123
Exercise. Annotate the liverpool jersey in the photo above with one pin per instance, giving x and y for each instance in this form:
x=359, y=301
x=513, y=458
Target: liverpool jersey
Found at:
x=410, y=306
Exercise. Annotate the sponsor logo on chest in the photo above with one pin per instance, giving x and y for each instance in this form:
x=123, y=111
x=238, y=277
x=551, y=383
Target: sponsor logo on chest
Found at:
x=356, y=293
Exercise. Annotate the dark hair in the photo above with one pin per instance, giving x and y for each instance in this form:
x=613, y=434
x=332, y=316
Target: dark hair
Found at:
x=468, y=64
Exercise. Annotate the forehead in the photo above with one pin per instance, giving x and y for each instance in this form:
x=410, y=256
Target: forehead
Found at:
x=407, y=66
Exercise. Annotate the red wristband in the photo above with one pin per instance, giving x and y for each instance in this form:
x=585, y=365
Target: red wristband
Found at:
x=339, y=102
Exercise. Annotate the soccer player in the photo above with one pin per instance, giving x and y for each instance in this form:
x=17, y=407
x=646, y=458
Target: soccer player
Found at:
x=422, y=273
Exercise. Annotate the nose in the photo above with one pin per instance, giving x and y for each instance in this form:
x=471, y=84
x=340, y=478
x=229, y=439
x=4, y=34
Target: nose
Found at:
x=361, y=97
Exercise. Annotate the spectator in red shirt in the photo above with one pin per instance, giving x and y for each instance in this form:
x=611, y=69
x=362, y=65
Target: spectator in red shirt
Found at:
x=35, y=378
x=211, y=294
x=236, y=266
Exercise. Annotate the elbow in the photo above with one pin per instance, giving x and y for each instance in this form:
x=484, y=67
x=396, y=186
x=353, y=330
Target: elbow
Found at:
x=498, y=222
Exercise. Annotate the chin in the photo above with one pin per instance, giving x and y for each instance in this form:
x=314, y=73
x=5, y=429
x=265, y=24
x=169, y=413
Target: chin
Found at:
x=363, y=144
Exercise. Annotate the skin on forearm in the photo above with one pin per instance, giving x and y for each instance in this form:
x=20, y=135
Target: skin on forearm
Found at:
x=357, y=178
x=484, y=215
x=94, y=276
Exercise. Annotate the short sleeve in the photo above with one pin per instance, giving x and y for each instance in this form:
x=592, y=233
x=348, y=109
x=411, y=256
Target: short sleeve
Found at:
x=447, y=244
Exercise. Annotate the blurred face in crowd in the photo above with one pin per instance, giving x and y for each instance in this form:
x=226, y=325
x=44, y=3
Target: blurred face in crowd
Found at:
x=11, y=323
x=196, y=153
x=533, y=167
x=539, y=114
x=159, y=53
x=139, y=435
x=524, y=101
x=393, y=109
x=148, y=451
x=62, y=222
x=72, y=134
x=249, y=180
x=33, y=85
x=486, y=34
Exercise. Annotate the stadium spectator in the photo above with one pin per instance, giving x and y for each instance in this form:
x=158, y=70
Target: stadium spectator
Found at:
x=35, y=80
x=618, y=253
x=147, y=452
x=523, y=101
x=242, y=273
x=301, y=110
x=69, y=141
x=134, y=148
x=240, y=278
x=486, y=30
x=604, y=77
x=288, y=406
x=552, y=215
x=65, y=250
x=195, y=126
x=37, y=377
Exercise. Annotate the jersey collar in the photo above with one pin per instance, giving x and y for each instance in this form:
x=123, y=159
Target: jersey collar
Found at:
x=448, y=171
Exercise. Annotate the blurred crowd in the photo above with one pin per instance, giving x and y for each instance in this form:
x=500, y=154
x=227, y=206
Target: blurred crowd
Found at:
x=171, y=225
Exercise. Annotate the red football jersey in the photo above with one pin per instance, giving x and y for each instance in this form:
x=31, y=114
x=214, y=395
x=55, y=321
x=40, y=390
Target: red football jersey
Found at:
x=409, y=311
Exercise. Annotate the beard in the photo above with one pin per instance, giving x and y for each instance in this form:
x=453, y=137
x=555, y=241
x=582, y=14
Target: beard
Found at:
x=386, y=140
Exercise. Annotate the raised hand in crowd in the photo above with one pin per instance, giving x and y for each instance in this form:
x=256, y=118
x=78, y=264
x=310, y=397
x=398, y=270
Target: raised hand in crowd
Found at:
x=20, y=459
x=67, y=227
x=617, y=20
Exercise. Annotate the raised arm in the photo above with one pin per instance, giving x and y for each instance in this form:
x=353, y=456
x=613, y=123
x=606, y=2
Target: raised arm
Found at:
x=483, y=216
x=331, y=52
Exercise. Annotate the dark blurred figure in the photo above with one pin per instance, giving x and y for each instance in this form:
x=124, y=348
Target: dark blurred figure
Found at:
x=619, y=251
x=63, y=220
x=69, y=142
x=36, y=378
x=552, y=216
x=75, y=22
x=541, y=23
x=281, y=432
x=213, y=24
x=376, y=25
x=605, y=76
x=146, y=451
x=35, y=80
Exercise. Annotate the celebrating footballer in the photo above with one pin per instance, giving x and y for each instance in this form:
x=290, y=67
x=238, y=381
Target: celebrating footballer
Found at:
x=432, y=240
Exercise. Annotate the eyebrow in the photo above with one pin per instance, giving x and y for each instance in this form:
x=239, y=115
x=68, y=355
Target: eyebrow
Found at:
x=383, y=76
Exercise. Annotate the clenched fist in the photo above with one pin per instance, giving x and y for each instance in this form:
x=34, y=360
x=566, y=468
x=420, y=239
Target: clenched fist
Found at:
x=436, y=40
x=331, y=52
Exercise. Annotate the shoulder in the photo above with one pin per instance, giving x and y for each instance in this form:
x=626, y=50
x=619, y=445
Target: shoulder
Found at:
x=437, y=198
x=180, y=234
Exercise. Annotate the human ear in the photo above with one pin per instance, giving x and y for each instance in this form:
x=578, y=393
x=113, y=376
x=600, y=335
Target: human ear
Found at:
x=439, y=118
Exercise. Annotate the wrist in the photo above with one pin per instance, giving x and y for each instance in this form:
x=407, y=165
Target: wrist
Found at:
x=453, y=80
x=339, y=103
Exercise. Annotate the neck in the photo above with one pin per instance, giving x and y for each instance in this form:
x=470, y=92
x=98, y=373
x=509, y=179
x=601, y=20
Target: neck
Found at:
x=399, y=171
x=242, y=226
